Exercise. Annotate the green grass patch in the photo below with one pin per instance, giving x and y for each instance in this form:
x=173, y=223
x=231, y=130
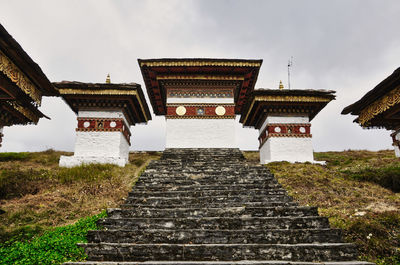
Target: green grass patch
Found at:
x=11, y=156
x=54, y=246
x=388, y=177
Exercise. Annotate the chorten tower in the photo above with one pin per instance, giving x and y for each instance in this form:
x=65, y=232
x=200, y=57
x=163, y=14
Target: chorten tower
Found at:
x=283, y=118
x=199, y=98
x=105, y=113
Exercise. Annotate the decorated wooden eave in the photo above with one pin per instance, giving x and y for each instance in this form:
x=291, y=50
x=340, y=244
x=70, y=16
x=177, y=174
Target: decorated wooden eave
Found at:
x=106, y=96
x=286, y=101
x=22, y=84
x=380, y=107
x=161, y=74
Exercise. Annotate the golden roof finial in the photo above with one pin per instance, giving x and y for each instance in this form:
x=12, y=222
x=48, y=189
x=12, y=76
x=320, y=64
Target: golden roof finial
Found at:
x=280, y=85
x=108, y=80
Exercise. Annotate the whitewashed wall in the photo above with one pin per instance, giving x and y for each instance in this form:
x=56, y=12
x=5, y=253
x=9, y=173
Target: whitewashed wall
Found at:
x=200, y=133
x=98, y=147
x=287, y=149
x=291, y=149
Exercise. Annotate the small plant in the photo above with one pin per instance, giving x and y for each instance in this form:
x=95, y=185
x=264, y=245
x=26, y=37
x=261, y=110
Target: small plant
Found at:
x=55, y=246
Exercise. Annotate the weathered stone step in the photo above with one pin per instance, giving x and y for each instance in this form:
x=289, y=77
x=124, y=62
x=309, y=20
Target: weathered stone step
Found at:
x=204, y=170
x=212, y=205
x=171, y=187
x=207, y=199
x=242, y=262
x=225, y=223
x=218, y=252
x=199, y=193
x=197, y=236
x=146, y=212
x=215, y=177
x=202, y=174
x=186, y=182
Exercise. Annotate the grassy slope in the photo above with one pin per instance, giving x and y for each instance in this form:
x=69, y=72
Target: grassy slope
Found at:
x=368, y=213
x=37, y=195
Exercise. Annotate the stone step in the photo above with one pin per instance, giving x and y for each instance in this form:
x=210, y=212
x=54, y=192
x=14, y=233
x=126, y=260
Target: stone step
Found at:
x=170, y=187
x=186, y=182
x=199, y=193
x=204, y=170
x=203, y=174
x=224, y=223
x=211, y=205
x=242, y=262
x=215, y=177
x=207, y=199
x=204, y=182
x=219, y=252
x=197, y=236
x=241, y=211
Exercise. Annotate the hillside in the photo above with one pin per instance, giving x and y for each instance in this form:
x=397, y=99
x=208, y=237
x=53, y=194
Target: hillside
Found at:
x=354, y=189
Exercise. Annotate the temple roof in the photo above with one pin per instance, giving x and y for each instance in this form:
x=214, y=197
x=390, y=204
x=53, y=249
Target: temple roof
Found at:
x=103, y=96
x=282, y=101
x=380, y=107
x=158, y=74
x=22, y=84
x=11, y=49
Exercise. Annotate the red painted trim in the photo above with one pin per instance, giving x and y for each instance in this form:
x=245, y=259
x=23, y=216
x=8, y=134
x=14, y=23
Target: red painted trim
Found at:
x=104, y=125
x=209, y=111
x=286, y=130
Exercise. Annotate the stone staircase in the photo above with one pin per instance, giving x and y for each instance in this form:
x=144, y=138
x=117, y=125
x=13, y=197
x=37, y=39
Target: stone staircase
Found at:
x=208, y=206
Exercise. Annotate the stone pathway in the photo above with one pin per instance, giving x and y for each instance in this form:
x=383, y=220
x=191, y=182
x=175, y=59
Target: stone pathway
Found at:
x=208, y=206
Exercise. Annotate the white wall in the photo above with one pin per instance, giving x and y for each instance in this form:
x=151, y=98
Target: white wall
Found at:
x=284, y=119
x=287, y=149
x=97, y=146
x=200, y=133
x=115, y=114
x=291, y=149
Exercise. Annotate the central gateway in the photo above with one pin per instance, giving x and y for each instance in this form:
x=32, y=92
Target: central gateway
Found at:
x=199, y=98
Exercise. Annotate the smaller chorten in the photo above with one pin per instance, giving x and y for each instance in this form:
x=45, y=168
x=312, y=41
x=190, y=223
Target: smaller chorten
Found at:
x=283, y=117
x=105, y=113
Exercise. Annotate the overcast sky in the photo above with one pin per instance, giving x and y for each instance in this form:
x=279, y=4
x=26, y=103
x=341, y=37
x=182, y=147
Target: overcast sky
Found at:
x=348, y=46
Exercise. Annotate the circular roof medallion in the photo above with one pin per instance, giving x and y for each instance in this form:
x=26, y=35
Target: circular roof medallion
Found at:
x=220, y=110
x=181, y=110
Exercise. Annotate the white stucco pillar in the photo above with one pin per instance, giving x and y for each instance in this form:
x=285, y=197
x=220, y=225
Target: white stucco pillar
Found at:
x=101, y=137
x=286, y=138
x=396, y=142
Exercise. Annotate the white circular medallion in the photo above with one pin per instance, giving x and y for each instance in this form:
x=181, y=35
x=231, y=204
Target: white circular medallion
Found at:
x=86, y=124
x=277, y=129
x=113, y=124
x=181, y=110
x=302, y=129
x=220, y=110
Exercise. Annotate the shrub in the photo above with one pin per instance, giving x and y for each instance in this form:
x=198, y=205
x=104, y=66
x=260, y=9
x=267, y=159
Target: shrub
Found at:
x=53, y=247
x=387, y=177
x=14, y=156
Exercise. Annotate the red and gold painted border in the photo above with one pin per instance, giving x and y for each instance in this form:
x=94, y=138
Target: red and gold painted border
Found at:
x=209, y=111
x=285, y=130
x=104, y=125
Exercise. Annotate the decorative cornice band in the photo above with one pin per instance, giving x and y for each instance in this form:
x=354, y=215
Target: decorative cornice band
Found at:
x=284, y=98
x=199, y=117
x=19, y=78
x=201, y=63
x=199, y=77
x=72, y=91
x=24, y=111
x=86, y=124
x=379, y=106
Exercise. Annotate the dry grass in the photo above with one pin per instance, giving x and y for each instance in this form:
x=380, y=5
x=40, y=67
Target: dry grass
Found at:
x=368, y=212
x=59, y=196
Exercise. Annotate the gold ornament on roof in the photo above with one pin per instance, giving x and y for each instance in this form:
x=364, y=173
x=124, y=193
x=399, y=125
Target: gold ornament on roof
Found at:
x=108, y=79
x=280, y=85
